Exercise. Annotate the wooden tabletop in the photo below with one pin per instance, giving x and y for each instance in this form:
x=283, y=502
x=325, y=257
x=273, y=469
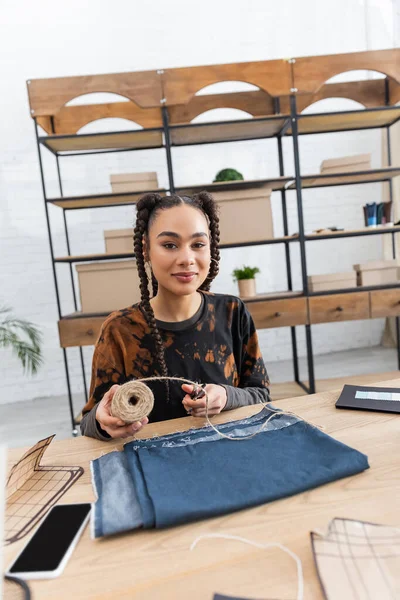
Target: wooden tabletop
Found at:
x=158, y=565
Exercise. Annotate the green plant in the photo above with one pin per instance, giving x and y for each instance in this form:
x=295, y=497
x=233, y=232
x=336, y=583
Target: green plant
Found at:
x=245, y=273
x=228, y=175
x=23, y=338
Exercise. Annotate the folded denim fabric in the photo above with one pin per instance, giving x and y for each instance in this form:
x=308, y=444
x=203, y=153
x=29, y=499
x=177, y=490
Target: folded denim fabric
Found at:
x=197, y=474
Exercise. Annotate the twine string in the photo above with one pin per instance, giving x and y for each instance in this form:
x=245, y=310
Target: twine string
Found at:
x=134, y=400
x=300, y=577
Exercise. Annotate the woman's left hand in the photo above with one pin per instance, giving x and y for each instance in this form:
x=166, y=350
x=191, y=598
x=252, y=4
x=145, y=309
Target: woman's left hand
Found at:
x=197, y=408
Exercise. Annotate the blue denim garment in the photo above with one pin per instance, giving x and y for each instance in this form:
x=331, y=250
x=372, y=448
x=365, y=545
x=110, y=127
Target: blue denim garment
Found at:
x=197, y=474
x=117, y=507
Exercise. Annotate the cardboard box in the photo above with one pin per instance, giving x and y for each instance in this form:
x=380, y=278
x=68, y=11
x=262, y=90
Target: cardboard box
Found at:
x=119, y=241
x=346, y=164
x=377, y=272
x=332, y=281
x=133, y=182
x=108, y=286
x=245, y=215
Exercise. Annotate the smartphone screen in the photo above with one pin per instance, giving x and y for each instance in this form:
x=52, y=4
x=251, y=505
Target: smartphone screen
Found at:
x=45, y=551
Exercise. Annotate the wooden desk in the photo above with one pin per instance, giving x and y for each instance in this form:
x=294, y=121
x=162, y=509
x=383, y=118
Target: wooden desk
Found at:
x=158, y=565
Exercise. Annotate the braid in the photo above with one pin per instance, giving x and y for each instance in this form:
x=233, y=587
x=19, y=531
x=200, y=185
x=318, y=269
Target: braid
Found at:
x=145, y=206
x=154, y=285
x=208, y=205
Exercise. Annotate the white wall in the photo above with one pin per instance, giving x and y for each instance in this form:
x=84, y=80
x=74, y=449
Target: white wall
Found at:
x=48, y=39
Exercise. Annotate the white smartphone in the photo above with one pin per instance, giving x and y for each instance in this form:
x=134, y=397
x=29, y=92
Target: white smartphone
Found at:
x=48, y=551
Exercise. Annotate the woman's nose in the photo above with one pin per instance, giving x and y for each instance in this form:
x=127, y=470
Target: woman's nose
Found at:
x=186, y=257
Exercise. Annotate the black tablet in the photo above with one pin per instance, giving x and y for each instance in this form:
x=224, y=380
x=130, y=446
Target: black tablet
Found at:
x=370, y=398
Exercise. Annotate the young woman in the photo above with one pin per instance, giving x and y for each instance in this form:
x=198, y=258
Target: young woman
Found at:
x=183, y=330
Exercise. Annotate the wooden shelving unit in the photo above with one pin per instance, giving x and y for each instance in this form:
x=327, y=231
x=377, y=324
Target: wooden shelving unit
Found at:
x=164, y=104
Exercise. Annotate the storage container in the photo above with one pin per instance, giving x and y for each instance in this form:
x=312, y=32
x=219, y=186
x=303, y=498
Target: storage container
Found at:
x=119, y=241
x=346, y=164
x=377, y=272
x=245, y=215
x=133, y=182
x=108, y=286
x=332, y=281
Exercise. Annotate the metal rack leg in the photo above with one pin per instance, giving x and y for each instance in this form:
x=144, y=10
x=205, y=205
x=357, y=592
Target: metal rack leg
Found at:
x=287, y=252
x=296, y=155
x=71, y=273
x=389, y=160
x=165, y=118
x=71, y=408
x=74, y=431
x=295, y=355
x=310, y=361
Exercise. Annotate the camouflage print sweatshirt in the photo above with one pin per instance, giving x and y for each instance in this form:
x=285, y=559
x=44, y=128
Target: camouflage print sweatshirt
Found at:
x=218, y=344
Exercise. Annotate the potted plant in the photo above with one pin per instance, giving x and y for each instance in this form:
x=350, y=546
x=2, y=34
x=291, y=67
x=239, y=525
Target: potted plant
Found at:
x=246, y=280
x=23, y=338
x=228, y=175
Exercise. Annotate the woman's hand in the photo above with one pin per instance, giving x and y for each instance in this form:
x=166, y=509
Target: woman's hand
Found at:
x=197, y=408
x=113, y=426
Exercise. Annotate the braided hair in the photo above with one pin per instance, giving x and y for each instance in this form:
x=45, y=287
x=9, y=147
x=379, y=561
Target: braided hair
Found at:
x=147, y=209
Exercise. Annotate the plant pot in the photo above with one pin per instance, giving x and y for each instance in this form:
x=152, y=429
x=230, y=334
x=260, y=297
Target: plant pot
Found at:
x=247, y=288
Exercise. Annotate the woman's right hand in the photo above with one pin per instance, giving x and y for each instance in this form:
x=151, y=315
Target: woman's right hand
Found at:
x=112, y=425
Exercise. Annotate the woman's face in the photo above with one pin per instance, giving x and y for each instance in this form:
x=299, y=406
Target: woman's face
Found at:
x=179, y=250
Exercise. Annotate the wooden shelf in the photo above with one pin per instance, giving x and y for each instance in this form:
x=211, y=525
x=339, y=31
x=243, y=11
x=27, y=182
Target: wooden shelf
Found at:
x=347, y=121
x=129, y=140
x=100, y=200
x=379, y=230
x=276, y=240
x=276, y=183
x=369, y=176
x=108, y=257
x=273, y=296
x=229, y=131
x=356, y=290
x=94, y=257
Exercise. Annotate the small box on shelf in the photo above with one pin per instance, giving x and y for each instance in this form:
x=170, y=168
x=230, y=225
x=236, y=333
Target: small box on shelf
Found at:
x=108, y=286
x=346, y=164
x=332, y=281
x=119, y=241
x=245, y=215
x=133, y=182
x=377, y=272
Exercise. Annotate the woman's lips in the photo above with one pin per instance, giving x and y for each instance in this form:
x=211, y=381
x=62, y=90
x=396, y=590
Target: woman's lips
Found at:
x=185, y=277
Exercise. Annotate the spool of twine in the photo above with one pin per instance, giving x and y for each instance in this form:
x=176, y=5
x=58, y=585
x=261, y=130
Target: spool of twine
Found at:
x=134, y=400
